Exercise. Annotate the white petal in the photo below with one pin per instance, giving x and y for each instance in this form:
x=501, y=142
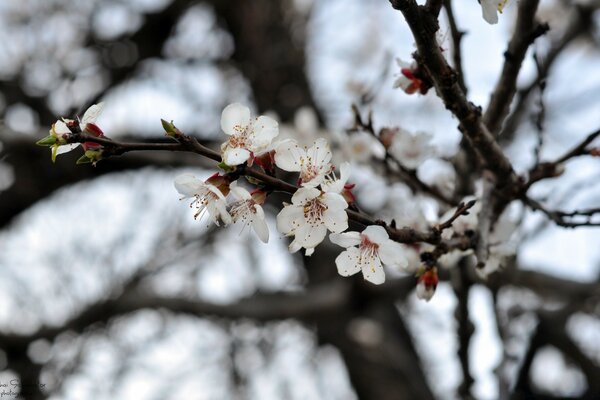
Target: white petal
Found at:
x=489, y=10
x=91, y=114
x=319, y=153
x=310, y=235
x=373, y=271
x=260, y=226
x=334, y=201
x=215, y=190
x=376, y=234
x=344, y=172
x=239, y=192
x=188, y=185
x=303, y=194
x=288, y=155
x=235, y=117
x=60, y=128
x=65, y=148
x=265, y=130
x=347, y=262
x=289, y=219
x=335, y=220
x=393, y=254
x=294, y=246
x=235, y=156
x=309, y=252
x=346, y=239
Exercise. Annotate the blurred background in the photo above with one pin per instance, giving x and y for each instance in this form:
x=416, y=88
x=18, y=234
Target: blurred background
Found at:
x=109, y=289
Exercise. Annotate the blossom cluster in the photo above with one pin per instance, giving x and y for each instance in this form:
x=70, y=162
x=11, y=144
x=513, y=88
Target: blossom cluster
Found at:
x=318, y=206
x=322, y=195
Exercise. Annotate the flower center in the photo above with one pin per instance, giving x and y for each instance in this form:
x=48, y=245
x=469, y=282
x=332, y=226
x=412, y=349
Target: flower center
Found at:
x=202, y=201
x=313, y=211
x=241, y=137
x=368, y=249
x=242, y=210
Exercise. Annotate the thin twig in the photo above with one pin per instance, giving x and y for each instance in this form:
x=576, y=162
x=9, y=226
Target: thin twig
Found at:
x=456, y=35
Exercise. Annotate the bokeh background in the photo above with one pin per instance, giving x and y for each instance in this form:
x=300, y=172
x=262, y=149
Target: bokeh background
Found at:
x=109, y=289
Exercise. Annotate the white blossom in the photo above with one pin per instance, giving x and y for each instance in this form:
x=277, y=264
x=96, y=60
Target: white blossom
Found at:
x=312, y=163
x=207, y=197
x=247, y=136
x=336, y=185
x=411, y=150
x=366, y=252
x=491, y=8
x=60, y=130
x=310, y=215
x=248, y=211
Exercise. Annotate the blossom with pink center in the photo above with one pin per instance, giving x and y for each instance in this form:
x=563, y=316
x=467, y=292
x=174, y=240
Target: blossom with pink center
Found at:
x=248, y=211
x=309, y=217
x=247, y=136
x=366, y=252
x=207, y=195
x=312, y=163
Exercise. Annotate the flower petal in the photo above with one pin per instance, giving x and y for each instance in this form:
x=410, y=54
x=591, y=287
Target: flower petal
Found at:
x=91, y=114
x=393, y=254
x=310, y=235
x=235, y=156
x=235, y=118
x=373, y=271
x=239, y=192
x=346, y=239
x=303, y=194
x=260, y=225
x=65, y=148
x=320, y=153
x=347, y=262
x=489, y=9
x=265, y=130
x=188, y=185
x=376, y=234
x=288, y=155
x=289, y=219
x=59, y=128
x=336, y=220
x=334, y=201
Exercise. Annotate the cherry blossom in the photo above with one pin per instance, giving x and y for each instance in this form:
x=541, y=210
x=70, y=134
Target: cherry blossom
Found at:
x=247, y=136
x=409, y=79
x=310, y=215
x=410, y=150
x=248, y=210
x=491, y=8
x=366, y=252
x=312, y=163
x=63, y=128
x=208, y=196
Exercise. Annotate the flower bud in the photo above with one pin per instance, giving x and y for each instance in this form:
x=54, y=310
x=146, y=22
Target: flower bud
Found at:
x=170, y=129
x=427, y=283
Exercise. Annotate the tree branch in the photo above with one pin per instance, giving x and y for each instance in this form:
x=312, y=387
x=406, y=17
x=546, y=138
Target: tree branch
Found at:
x=526, y=31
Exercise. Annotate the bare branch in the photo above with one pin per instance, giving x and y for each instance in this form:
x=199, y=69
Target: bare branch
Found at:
x=526, y=31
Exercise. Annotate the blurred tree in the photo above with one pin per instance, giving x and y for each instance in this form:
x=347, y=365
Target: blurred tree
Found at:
x=103, y=287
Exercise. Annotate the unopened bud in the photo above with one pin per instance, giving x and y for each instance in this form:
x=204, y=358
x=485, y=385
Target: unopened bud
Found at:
x=47, y=141
x=170, y=129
